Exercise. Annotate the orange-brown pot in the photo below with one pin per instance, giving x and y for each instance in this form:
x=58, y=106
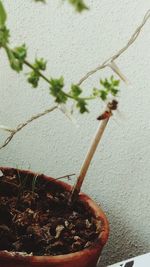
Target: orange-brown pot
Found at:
x=85, y=258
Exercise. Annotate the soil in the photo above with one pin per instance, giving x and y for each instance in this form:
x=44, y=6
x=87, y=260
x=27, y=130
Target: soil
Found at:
x=35, y=218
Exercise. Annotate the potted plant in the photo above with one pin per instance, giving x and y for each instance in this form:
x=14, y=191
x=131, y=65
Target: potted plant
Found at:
x=44, y=221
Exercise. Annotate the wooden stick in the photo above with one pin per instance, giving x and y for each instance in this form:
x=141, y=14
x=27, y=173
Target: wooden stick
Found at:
x=104, y=118
x=88, y=158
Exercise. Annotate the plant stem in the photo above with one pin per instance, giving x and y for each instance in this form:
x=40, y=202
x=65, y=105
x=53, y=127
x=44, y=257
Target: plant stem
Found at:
x=27, y=63
x=65, y=176
x=40, y=73
x=13, y=132
x=79, y=98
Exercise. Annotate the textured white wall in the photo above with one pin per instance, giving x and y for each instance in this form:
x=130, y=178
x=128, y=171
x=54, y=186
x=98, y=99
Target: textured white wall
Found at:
x=73, y=44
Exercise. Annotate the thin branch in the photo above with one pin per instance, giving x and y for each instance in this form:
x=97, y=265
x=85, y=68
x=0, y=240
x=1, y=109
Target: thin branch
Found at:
x=120, y=52
x=49, y=82
x=7, y=129
x=22, y=125
x=39, y=72
x=65, y=176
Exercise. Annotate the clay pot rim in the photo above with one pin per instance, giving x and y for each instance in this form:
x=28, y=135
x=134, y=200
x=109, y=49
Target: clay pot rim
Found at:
x=96, y=210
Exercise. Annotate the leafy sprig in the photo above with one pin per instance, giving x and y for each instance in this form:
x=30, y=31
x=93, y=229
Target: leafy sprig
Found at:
x=18, y=58
x=56, y=90
x=33, y=76
x=108, y=87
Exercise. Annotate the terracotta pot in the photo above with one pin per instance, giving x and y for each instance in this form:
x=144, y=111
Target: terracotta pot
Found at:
x=85, y=258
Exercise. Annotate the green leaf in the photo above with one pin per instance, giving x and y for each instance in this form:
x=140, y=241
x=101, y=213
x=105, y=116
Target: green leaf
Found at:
x=75, y=90
x=100, y=93
x=58, y=84
x=14, y=62
x=79, y=5
x=16, y=57
x=116, y=82
x=56, y=90
x=114, y=91
x=106, y=84
x=34, y=75
x=81, y=104
x=20, y=53
x=3, y=15
x=40, y=64
x=96, y=92
x=34, y=79
x=109, y=87
x=103, y=95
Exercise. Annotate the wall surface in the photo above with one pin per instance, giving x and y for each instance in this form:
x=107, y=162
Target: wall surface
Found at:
x=118, y=178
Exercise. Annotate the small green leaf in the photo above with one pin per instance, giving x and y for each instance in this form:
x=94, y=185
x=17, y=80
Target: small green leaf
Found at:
x=14, y=62
x=58, y=84
x=3, y=15
x=40, y=64
x=114, y=91
x=56, y=90
x=75, y=90
x=79, y=5
x=109, y=87
x=116, y=82
x=20, y=53
x=33, y=79
x=16, y=57
x=81, y=104
x=34, y=75
x=106, y=84
x=103, y=95
x=96, y=92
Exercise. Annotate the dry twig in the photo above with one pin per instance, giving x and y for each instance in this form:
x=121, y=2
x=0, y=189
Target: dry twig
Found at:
x=107, y=62
x=13, y=132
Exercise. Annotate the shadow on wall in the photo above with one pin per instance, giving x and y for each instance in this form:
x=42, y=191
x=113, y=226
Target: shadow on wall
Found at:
x=123, y=243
